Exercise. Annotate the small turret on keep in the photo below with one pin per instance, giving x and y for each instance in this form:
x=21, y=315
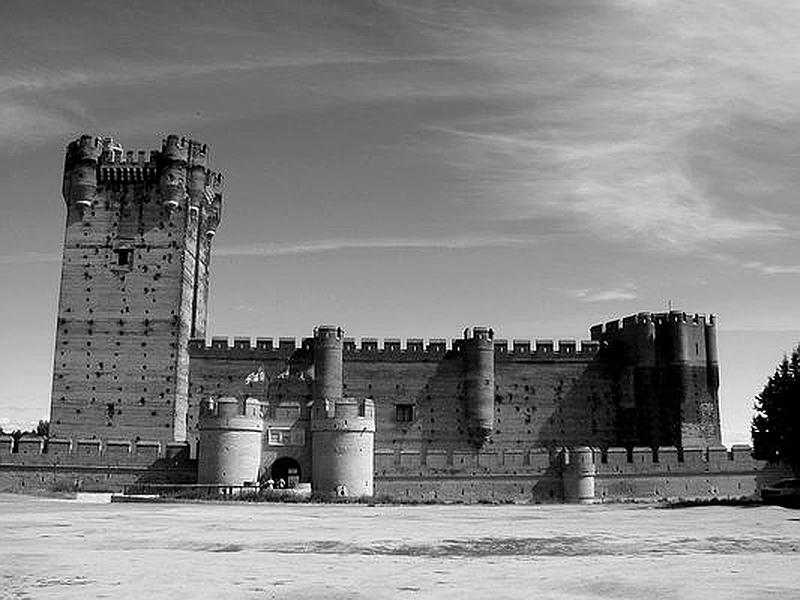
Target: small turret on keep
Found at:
x=172, y=171
x=197, y=175
x=80, y=171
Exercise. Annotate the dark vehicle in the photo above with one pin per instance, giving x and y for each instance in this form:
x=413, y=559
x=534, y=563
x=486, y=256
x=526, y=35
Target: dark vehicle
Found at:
x=783, y=493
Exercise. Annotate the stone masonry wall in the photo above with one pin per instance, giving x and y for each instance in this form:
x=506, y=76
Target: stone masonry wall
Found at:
x=545, y=396
x=108, y=465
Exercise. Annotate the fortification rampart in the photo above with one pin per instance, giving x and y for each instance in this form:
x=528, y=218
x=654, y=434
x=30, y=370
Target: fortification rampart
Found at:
x=542, y=475
x=394, y=349
x=633, y=323
x=33, y=463
x=519, y=475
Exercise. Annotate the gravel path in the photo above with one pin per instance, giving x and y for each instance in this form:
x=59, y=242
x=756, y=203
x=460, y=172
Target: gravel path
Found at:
x=63, y=549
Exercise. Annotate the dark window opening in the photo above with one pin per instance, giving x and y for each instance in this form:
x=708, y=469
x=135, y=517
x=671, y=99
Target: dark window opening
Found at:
x=110, y=410
x=404, y=413
x=124, y=257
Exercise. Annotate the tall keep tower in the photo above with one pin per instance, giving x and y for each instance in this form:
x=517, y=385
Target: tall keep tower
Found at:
x=134, y=287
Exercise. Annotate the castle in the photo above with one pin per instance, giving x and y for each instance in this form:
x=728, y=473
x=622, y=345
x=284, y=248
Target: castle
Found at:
x=138, y=392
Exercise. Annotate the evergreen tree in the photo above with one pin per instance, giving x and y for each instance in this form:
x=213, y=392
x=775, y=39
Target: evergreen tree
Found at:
x=776, y=426
x=43, y=429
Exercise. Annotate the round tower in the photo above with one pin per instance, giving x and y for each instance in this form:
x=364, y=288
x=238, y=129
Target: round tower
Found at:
x=229, y=451
x=172, y=171
x=327, y=364
x=342, y=429
x=579, y=475
x=80, y=171
x=342, y=447
x=479, y=384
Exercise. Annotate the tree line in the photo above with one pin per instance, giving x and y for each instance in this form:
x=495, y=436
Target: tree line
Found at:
x=775, y=428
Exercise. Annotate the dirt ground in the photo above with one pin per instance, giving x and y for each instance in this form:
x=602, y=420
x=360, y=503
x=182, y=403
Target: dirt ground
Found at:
x=64, y=549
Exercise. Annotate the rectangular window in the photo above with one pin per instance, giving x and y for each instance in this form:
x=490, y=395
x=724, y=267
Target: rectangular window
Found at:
x=286, y=437
x=124, y=257
x=277, y=437
x=404, y=413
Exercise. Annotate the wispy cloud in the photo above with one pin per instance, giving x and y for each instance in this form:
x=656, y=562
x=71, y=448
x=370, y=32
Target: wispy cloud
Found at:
x=625, y=292
x=312, y=247
x=611, y=119
x=773, y=269
x=652, y=123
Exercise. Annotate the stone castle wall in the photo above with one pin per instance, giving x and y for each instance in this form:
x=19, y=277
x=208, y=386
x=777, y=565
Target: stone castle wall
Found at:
x=38, y=464
x=545, y=394
x=525, y=475
x=538, y=475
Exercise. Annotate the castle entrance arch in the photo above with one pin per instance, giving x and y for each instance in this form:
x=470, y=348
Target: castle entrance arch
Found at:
x=285, y=469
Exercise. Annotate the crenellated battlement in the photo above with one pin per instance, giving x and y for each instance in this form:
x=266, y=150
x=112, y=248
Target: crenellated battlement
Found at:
x=613, y=461
x=130, y=158
x=345, y=414
x=37, y=450
x=395, y=348
x=229, y=411
x=180, y=165
x=634, y=323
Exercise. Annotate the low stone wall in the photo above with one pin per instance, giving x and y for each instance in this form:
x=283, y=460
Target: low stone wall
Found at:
x=535, y=475
x=538, y=475
x=35, y=464
x=715, y=472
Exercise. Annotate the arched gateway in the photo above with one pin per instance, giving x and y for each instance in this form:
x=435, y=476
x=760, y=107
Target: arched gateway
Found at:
x=285, y=469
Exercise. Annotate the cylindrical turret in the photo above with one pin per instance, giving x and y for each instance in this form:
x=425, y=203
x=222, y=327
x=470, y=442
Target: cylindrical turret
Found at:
x=578, y=475
x=342, y=448
x=172, y=168
x=678, y=342
x=712, y=360
x=197, y=173
x=478, y=353
x=327, y=364
x=229, y=451
x=80, y=171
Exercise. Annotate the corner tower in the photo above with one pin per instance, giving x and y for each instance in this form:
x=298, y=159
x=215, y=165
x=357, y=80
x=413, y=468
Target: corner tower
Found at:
x=134, y=287
x=666, y=375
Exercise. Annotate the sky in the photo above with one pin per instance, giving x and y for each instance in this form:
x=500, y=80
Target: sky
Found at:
x=407, y=169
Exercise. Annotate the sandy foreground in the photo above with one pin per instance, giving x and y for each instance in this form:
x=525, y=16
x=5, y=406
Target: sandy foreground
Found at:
x=63, y=549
